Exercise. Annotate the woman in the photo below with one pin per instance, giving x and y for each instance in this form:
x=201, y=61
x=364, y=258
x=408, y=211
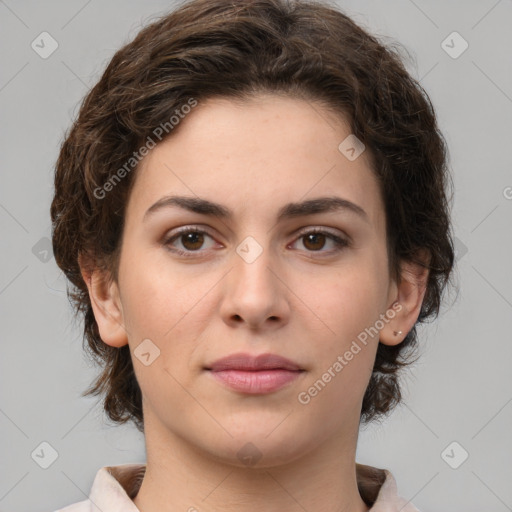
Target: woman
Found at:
x=251, y=208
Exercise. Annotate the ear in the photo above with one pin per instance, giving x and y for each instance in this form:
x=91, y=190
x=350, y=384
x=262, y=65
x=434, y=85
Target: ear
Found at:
x=106, y=304
x=407, y=299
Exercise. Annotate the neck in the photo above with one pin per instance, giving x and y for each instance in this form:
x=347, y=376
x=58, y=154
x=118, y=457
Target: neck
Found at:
x=180, y=476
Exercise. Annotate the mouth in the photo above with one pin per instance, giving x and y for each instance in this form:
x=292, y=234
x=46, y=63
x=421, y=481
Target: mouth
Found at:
x=261, y=374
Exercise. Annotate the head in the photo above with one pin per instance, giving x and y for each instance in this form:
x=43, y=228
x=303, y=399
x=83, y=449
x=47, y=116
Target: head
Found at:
x=252, y=106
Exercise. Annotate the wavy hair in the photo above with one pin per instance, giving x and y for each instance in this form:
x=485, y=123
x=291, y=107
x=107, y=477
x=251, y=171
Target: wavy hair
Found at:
x=221, y=48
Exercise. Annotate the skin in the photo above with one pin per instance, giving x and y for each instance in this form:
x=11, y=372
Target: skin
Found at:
x=302, y=300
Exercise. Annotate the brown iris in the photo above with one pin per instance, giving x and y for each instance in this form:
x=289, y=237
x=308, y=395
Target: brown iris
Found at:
x=314, y=241
x=192, y=241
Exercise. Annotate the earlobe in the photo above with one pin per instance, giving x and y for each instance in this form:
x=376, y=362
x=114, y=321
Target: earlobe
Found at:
x=106, y=305
x=408, y=300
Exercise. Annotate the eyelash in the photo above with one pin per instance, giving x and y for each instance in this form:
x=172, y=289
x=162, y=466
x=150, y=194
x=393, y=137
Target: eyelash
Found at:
x=340, y=243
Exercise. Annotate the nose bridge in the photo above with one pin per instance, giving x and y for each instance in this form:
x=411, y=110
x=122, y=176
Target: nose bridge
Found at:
x=253, y=293
x=253, y=261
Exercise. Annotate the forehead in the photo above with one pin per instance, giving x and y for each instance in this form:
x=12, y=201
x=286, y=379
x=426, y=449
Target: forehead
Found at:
x=255, y=155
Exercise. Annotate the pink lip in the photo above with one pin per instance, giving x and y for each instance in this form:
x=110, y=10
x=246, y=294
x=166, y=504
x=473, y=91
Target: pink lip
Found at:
x=255, y=375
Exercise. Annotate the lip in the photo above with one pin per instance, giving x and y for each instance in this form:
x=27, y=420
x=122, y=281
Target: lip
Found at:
x=248, y=362
x=249, y=374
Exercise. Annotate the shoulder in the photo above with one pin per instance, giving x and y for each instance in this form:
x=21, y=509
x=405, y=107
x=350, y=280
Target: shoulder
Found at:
x=112, y=490
x=379, y=490
x=389, y=498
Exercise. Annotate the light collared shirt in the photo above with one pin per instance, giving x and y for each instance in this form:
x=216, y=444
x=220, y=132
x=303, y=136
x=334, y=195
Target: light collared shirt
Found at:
x=114, y=488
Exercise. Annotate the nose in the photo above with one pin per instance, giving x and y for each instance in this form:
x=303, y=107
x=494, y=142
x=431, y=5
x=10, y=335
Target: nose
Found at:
x=255, y=294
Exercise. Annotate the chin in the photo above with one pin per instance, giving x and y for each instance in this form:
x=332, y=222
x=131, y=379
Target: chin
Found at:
x=259, y=450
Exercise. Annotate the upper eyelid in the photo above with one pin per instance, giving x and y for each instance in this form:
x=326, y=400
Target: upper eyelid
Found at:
x=321, y=229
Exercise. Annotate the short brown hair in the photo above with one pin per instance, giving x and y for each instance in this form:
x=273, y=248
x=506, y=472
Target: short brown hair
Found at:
x=220, y=48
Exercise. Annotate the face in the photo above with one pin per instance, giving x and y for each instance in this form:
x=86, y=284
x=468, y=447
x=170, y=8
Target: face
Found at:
x=290, y=261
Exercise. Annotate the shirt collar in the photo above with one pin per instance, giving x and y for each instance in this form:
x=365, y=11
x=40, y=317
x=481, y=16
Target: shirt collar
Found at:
x=114, y=488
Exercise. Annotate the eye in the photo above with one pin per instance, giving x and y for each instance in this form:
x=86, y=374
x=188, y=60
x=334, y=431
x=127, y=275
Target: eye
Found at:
x=314, y=240
x=188, y=240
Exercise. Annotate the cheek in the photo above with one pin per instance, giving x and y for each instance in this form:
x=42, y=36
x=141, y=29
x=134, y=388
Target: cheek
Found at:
x=346, y=300
x=349, y=302
x=156, y=296
x=170, y=306
x=158, y=305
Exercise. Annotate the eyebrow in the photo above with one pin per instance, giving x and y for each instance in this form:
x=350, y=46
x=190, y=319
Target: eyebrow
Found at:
x=289, y=211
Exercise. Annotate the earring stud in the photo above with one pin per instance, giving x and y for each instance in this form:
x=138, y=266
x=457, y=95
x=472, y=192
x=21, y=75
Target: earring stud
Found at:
x=397, y=333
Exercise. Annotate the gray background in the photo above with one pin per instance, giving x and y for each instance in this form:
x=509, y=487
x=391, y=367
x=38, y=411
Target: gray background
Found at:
x=459, y=391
